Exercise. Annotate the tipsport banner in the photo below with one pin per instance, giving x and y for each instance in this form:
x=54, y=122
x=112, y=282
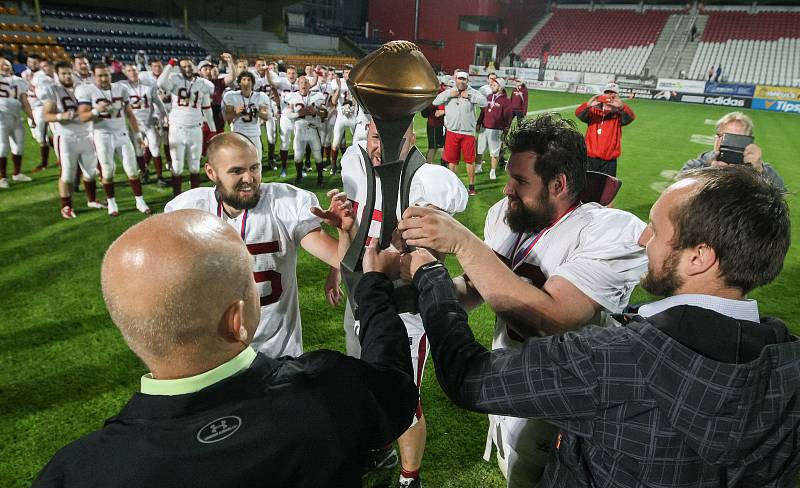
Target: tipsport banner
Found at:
x=776, y=105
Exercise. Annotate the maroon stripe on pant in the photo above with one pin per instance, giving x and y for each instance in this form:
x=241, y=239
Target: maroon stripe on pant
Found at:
x=421, y=354
x=264, y=247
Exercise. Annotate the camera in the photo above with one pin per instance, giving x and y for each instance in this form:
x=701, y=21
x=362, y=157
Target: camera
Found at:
x=731, y=148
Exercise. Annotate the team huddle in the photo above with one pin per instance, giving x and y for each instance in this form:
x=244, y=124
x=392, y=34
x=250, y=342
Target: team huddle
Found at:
x=91, y=121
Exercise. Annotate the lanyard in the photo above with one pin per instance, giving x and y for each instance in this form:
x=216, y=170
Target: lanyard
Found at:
x=221, y=212
x=522, y=254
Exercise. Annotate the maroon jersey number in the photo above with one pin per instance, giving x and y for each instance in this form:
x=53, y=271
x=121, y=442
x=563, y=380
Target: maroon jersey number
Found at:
x=271, y=276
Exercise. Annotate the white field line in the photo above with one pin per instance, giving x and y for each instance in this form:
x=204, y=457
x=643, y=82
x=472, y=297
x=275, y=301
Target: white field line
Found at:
x=553, y=109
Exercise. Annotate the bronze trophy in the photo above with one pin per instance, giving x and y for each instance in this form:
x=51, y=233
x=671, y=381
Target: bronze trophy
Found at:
x=392, y=84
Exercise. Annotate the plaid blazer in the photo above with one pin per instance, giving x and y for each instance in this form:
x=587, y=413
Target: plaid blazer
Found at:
x=686, y=398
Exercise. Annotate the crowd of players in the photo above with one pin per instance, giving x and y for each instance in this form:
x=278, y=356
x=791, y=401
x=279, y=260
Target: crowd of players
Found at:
x=88, y=118
x=551, y=260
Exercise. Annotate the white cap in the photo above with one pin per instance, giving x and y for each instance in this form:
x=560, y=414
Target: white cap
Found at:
x=612, y=87
x=462, y=74
x=204, y=63
x=502, y=83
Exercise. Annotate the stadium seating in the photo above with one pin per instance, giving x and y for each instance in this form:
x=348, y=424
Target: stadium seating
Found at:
x=119, y=34
x=626, y=37
x=116, y=18
x=301, y=60
x=751, y=48
x=27, y=38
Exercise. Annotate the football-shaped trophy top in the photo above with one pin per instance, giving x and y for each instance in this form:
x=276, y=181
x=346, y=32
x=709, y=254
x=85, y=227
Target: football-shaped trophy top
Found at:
x=394, y=81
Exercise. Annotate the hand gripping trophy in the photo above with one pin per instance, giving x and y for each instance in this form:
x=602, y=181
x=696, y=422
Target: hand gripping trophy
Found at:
x=392, y=84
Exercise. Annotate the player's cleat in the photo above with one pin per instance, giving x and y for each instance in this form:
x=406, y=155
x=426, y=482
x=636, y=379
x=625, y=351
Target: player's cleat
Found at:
x=68, y=213
x=96, y=205
x=305, y=173
x=492, y=174
x=21, y=177
x=113, y=211
x=283, y=173
x=162, y=183
x=142, y=207
x=4, y=183
x=478, y=167
x=145, y=178
x=39, y=168
x=383, y=459
x=409, y=483
x=472, y=191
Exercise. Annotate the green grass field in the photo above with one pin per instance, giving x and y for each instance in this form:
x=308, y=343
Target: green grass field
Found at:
x=64, y=367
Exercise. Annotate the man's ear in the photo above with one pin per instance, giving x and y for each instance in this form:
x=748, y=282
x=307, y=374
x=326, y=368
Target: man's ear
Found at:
x=700, y=259
x=558, y=184
x=212, y=175
x=232, y=327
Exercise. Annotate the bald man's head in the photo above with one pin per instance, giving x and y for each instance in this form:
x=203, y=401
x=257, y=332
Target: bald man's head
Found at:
x=234, y=165
x=169, y=281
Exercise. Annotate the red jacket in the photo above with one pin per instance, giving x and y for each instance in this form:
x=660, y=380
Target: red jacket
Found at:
x=497, y=113
x=519, y=100
x=604, y=134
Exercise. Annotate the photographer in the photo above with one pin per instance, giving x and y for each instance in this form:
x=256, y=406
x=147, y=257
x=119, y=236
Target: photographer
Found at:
x=605, y=114
x=736, y=123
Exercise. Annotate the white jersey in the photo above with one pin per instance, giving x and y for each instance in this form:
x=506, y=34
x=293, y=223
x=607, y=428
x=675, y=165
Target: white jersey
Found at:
x=12, y=88
x=297, y=101
x=326, y=90
x=593, y=247
x=272, y=231
x=431, y=185
x=38, y=80
x=250, y=124
x=190, y=98
x=148, y=78
x=65, y=100
x=117, y=97
x=286, y=88
x=144, y=102
x=82, y=80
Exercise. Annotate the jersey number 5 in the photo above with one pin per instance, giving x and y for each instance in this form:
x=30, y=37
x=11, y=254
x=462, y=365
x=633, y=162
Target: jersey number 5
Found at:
x=271, y=276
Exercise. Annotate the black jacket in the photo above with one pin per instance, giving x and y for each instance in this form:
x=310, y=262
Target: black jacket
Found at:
x=687, y=398
x=282, y=422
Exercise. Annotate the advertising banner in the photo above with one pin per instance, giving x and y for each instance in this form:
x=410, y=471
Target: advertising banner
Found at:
x=597, y=78
x=565, y=76
x=637, y=82
x=719, y=100
x=777, y=92
x=681, y=86
x=735, y=89
x=529, y=73
x=548, y=85
x=776, y=105
x=646, y=93
x=590, y=89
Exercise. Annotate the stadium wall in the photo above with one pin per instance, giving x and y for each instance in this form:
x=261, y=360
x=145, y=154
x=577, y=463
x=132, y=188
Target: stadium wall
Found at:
x=732, y=95
x=439, y=21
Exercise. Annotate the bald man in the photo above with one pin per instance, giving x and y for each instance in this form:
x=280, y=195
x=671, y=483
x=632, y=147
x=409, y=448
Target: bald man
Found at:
x=212, y=412
x=273, y=219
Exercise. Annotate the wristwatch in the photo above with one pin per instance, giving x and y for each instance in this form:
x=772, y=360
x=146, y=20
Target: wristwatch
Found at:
x=431, y=265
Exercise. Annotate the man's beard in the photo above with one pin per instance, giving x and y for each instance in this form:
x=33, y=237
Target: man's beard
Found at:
x=522, y=220
x=666, y=282
x=234, y=200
